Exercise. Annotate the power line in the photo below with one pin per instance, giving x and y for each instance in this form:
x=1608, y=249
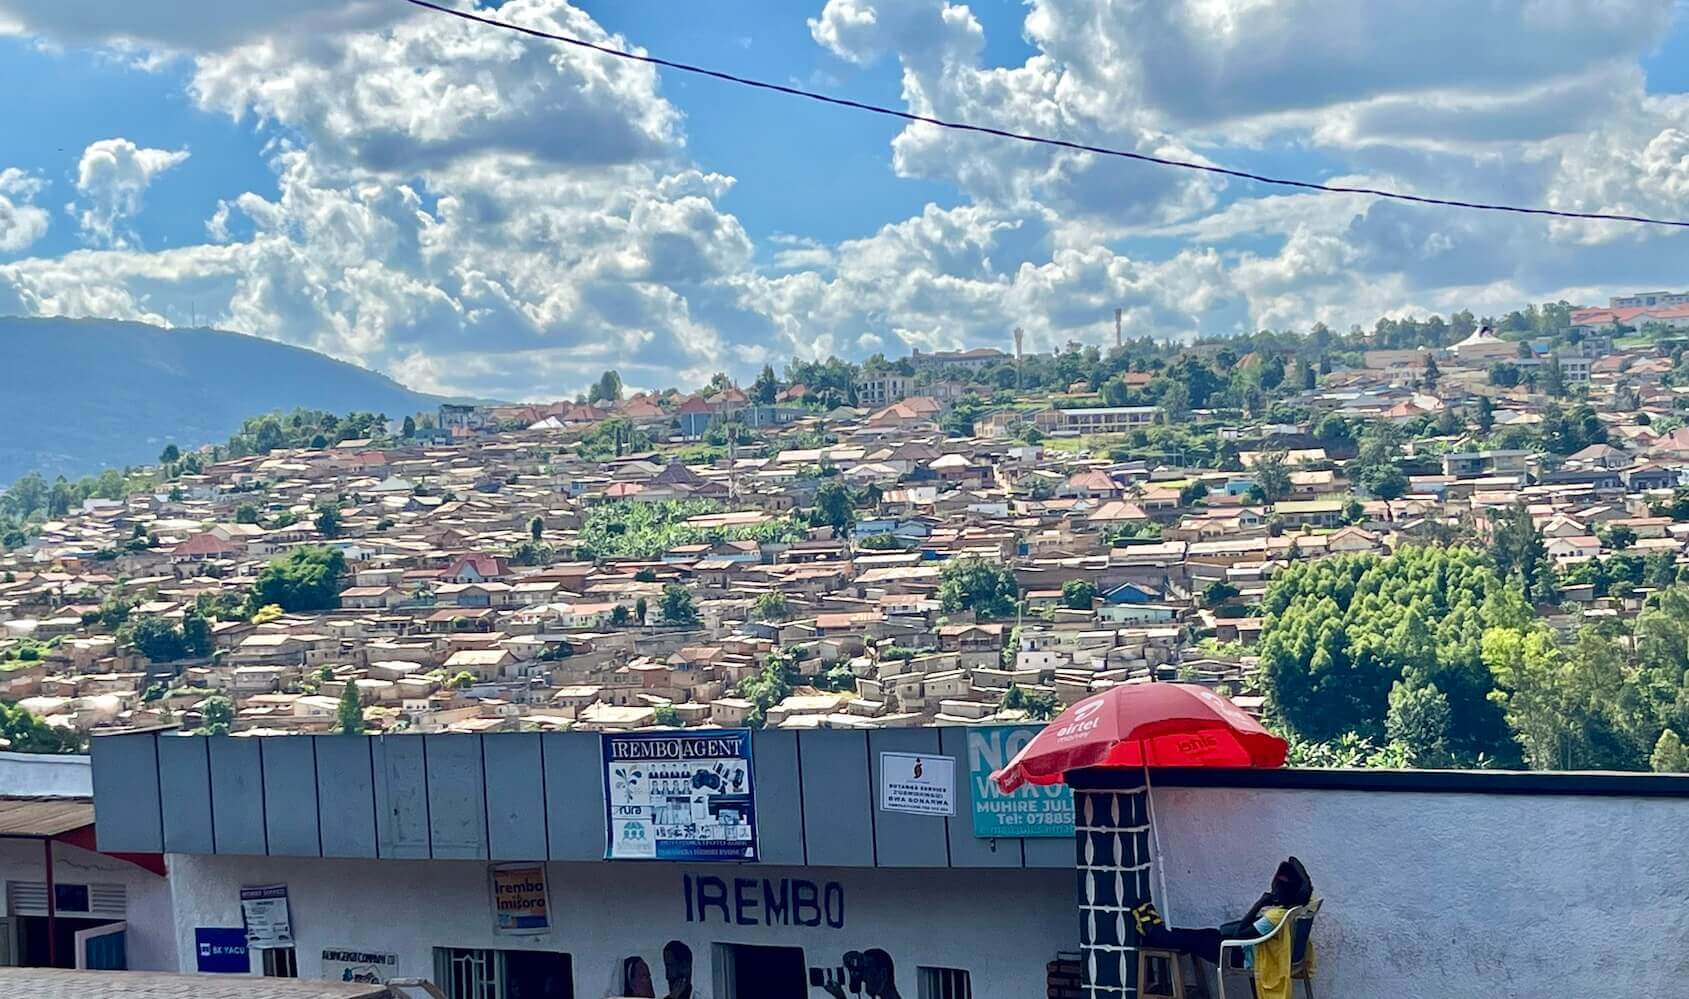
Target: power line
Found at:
x=961, y=126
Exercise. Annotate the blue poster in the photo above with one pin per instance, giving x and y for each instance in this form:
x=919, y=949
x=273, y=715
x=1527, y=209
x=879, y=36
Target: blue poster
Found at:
x=222, y=951
x=679, y=796
x=1032, y=810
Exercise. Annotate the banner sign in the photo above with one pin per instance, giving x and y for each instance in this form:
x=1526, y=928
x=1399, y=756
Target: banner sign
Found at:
x=264, y=910
x=671, y=796
x=917, y=784
x=519, y=899
x=1032, y=810
x=220, y=951
x=363, y=966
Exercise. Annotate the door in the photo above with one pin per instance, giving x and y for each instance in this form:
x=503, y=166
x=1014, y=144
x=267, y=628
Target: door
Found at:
x=7, y=960
x=103, y=948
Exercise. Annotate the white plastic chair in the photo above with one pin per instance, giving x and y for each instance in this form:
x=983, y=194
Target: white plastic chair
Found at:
x=1299, y=921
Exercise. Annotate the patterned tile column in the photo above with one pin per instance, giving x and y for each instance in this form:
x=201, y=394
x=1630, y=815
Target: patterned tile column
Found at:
x=1112, y=832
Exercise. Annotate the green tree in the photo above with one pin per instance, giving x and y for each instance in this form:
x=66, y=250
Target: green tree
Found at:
x=1218, y=592
x=1486, y=415
x=765, y=690
x=1669, y=756
x=640, y=609
x=1078, y=594
x=1039, y=707
x=216, y=716
x=1432, y=373
x=1385, y=481
x=349, y=715
x=536, y=529
x=833, y=506
x=972, y=583
x=246, y=513
x=25, y=733
x=197, y=639
x=1418, y=721
x=156, y=638
x=1617, y=537
x=1272, y=475
x=1342, y=631
x=328, y=521
x=608, y=388
x=765, y=388
x=665, y=714
x=1519, y=553
x=771, y=606
x=409, y=428
x=677, y=605
x=619, y=616
x=306, y=579
x=170, y=455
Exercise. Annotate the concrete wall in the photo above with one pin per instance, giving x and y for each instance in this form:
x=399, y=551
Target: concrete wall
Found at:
x=1002, y=926
x=1428, y=895
x=42, y=775
x=151, y=937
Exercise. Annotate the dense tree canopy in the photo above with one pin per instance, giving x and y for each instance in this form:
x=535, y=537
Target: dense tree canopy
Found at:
x=306, y=579
x=1343, y=632
x=987, y=588
x=646, y=530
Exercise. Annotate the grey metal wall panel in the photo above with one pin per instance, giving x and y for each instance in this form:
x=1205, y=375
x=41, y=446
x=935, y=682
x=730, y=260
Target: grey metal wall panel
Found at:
x=774, y=757
x=901, y=839
x=290, y=797
x=515, y=796
x=184, y=778
x=126, y=793
x=401, y=797
x=966, y=849
x=574, y=795
x=838, y=819
x=237, y=794
x=345, y=795
x=457, y=798
x=1055, y=852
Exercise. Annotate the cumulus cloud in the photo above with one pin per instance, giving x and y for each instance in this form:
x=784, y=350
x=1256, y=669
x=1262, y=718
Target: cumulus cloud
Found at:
x=21, y=221
x=111, y=177
x=478, y=213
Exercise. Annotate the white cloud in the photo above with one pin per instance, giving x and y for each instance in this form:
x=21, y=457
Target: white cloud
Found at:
x=112, y=176
x=21, y=221
x=474, y=212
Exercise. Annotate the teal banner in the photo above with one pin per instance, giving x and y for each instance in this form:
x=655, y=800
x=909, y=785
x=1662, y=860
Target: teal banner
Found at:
x=1030, y=811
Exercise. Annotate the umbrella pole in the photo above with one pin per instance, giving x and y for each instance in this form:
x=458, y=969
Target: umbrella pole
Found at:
x=1155, y=844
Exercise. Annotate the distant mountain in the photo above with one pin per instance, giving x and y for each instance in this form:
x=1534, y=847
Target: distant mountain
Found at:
x=85, y=394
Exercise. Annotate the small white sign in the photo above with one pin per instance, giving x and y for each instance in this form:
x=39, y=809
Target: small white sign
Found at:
x=918, y=784
x=264, y=910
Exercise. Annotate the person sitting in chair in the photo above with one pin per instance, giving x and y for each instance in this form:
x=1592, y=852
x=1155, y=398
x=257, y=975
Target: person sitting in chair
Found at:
x=1291, y=887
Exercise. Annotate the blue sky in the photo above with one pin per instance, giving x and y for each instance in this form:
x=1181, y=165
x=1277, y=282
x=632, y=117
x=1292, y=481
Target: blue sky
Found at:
x=473, y=212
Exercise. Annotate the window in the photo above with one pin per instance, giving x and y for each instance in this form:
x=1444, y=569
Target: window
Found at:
x=280, y=962
x=945, y=983
x=743, y=971
x=466, y=973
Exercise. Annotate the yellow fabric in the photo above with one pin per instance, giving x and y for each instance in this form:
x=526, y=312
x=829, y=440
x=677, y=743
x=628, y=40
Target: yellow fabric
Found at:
x=1272, y=959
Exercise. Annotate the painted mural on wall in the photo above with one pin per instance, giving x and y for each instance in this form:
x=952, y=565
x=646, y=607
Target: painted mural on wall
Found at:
x=870, y=973
x=637, y=982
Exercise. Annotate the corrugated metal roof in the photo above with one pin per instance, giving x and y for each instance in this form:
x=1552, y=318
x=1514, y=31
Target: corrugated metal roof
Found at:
x=48, y=983
x=44, y=816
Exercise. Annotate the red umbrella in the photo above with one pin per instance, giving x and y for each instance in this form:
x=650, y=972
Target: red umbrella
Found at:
x=1144, y=725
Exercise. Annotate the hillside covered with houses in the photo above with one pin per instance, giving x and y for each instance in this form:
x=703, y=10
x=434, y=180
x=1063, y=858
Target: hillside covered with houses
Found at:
x=948, y=538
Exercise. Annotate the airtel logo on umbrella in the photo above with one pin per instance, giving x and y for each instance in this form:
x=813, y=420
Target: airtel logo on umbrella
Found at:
x=1084, y=719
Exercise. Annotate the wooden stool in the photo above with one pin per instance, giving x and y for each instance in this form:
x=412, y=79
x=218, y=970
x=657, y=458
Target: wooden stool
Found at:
x=1174, y=979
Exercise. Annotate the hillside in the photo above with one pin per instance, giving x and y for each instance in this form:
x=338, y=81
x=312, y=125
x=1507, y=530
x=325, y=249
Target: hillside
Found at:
x=85, y=394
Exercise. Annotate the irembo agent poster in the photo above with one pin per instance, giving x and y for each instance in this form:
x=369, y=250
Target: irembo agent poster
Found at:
x=679, y=796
